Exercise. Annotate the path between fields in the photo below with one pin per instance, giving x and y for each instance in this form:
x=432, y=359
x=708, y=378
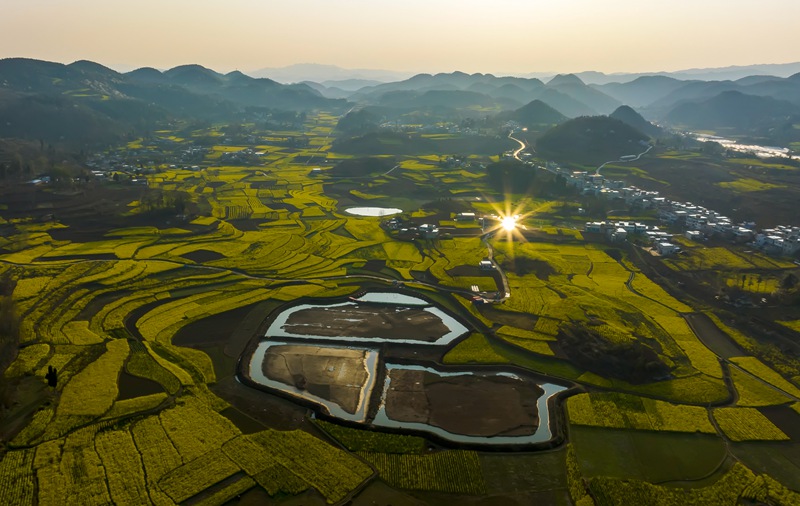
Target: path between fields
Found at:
x=325, y=140
x=597, y=172
x=733, y=353
x=371, y=176
x=506, y=290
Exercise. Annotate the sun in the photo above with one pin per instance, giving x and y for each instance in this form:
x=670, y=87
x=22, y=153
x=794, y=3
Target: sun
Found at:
x=509, y=223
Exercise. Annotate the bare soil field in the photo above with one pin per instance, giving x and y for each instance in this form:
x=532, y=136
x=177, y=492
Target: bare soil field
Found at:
x=512, y=318
x=131, y=386
x=336, y=374
x=474, y=405
x=211, y=331
x=367, y=321
x=202, y=255
x=785, y=418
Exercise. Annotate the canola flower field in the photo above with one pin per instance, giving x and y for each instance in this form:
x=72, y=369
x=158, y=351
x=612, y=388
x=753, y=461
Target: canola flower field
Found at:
x=106, y=309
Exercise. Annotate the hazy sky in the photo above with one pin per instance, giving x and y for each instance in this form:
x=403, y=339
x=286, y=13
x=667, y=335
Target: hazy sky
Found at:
x=516, y=36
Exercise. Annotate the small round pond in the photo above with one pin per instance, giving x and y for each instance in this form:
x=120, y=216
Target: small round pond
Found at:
x=373, y=211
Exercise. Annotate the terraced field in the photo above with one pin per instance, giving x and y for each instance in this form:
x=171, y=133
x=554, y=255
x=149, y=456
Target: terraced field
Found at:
x=143, y=313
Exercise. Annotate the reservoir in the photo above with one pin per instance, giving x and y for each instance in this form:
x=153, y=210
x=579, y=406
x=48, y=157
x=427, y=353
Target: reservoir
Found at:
x=373, y=211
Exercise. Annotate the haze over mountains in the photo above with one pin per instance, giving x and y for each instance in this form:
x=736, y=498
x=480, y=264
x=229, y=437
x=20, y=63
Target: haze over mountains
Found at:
x=85, y=101
x=321, y=73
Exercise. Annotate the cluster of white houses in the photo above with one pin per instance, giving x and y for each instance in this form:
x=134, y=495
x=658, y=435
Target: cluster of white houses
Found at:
x=780, y=240
x=595, y=184
x=698, y=222
x=620, y=230
x=424, y=231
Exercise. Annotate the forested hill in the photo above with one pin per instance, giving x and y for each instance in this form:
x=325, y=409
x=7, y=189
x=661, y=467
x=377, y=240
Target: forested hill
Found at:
x=591, y=139
x=87, y=103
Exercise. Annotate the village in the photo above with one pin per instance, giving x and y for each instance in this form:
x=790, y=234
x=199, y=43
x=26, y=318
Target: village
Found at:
x=697, y=222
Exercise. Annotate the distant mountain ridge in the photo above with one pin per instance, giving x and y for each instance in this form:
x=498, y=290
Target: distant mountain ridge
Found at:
x=319, y=73
x=567, y=94
x=86, y=102
x=53, y=101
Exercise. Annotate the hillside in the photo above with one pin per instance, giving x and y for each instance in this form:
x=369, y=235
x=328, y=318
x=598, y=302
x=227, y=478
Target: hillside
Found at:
x=565, y=103
x=573, y=87
x=91, y=121
x=362, y=167
x=533, y=114
x=642, y=91
x=634, y=119
x=358, y=122
x=590, y=140
x=87, y=103
x=734, y=112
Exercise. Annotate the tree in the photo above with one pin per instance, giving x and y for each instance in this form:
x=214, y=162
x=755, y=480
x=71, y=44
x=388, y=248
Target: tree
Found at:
x=789, y=281
x=511, y=176
x=179, y=201
x=51, y=376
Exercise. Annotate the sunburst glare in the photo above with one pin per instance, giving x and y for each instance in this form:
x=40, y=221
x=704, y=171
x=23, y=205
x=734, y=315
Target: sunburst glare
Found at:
x=509, y=223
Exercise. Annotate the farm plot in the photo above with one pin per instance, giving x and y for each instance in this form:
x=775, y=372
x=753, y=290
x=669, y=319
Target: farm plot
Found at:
x=753, y=392
x=622, y=411
x=747, y=424
x=760, y=370
x=455, y=472
x=737, y=483
x=93, y=390
x=646, y=455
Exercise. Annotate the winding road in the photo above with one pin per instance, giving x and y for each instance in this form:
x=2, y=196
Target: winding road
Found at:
x=597, y=172
x=516, y=153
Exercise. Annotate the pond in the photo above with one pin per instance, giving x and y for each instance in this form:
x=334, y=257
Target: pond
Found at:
x=338, y=378
x=373, y=211
x=402, y=322
x=332, y=355
x=482, y=412
x=476, y=407
x=392, y=298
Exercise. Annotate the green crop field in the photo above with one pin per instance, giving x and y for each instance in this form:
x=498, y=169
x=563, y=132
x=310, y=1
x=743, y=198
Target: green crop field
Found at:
x=646, y=455
x=452, y=471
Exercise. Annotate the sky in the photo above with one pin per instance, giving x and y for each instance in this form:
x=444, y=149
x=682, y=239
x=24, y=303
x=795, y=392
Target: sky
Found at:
x=498, y=36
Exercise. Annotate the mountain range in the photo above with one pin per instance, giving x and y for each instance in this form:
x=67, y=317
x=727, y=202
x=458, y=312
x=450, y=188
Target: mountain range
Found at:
x=85, y=102
x=321, y=73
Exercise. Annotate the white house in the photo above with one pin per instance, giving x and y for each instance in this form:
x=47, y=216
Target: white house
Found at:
x=666, y=248
x=428, y=231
